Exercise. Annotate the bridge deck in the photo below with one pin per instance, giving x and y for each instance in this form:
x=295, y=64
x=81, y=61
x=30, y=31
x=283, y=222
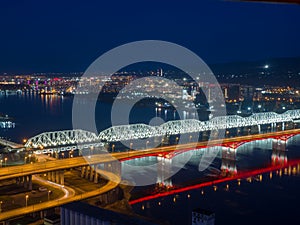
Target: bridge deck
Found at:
x=10, y=144
x=36, y=168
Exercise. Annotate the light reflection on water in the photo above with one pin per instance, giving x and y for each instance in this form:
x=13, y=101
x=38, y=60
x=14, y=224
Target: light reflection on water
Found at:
x=271, y=199
x=266, y=198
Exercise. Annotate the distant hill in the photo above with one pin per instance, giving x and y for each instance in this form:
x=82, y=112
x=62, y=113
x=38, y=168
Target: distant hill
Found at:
x=280, y=71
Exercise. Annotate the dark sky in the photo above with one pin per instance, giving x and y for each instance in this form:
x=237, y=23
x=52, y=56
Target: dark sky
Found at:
x=41, y=36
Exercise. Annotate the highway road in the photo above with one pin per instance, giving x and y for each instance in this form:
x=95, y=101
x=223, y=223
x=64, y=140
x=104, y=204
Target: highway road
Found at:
x=10, y=144
x=113, y=182
x=43, y=167
x=113, y=179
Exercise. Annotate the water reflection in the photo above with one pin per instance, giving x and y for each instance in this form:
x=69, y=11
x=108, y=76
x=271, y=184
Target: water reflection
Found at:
x=257, y=177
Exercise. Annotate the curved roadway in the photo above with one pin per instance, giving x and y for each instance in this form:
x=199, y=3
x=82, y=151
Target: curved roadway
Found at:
x=113, y=179
x=113, y=182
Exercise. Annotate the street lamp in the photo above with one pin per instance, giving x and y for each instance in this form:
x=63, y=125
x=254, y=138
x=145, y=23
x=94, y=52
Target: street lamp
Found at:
x=5, y=159
x=147, y=142
x=113, y=148
x=25, y=160
x=1, y=206
x=1, y=162
x=70, y=154
x=49, y=194
x=26, y=198
x=177, y=138
x=191, y=137
x=91, y=149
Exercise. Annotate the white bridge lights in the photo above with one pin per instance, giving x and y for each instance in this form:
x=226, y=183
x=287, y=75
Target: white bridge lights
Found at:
x=64, y=139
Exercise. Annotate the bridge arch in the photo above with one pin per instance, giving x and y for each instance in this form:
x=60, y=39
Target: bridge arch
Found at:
x=61, y=138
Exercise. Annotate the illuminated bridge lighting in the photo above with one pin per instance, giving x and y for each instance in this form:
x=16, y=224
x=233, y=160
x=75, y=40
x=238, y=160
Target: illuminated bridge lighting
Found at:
x=142, y=131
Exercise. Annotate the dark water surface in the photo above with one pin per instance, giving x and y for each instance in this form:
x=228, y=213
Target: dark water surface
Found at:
x=261, y=201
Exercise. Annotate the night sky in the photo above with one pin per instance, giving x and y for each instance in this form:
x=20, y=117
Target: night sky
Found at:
x=43, y=36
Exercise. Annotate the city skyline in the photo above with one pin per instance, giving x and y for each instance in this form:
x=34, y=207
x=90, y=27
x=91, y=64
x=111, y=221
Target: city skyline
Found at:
x=149, y=112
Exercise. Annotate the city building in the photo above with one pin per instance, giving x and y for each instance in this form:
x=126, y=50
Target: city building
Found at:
x=80, y=213
x=53, y=219
x=203, y=217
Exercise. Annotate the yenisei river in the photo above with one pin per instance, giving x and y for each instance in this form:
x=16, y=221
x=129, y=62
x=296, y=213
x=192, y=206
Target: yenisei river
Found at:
x=34, y=114
x=265, y=199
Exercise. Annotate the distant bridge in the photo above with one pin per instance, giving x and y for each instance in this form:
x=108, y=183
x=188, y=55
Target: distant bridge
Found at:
x=70, y=139
x=10, y=144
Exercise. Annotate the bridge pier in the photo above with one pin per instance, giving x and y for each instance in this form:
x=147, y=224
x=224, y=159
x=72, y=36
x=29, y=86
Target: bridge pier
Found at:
x=25, y=181
x=273, y=127
x=59, y=177
x=49, y=176
x=29, y=182
x=92, y=172
x=259, y=128
x=87, y=172
x=83, y=169
x=279, y=145
x=228, y=166
x=56, y=176
x=279, y=152
x=164, y=171
x=62, y=177
x=53, y=176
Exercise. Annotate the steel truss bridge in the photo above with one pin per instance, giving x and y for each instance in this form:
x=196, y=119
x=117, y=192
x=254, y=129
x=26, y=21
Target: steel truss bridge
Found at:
x=74, y=139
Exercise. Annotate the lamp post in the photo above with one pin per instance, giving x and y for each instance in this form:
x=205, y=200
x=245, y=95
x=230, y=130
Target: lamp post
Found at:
x=1, y=162
x=227, y=133
x=49, y=194
x=5, y=159
x=91, y=150
x=1, y=206
x=113, y=148
x=26, y=198
x=147, y=142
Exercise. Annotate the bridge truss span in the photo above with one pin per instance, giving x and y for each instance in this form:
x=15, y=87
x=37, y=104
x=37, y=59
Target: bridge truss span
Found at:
x=143, y=131
x=61, y=138
x=128, y=132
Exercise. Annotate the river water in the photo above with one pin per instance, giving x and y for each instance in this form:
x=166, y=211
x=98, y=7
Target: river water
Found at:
x=264, y=200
